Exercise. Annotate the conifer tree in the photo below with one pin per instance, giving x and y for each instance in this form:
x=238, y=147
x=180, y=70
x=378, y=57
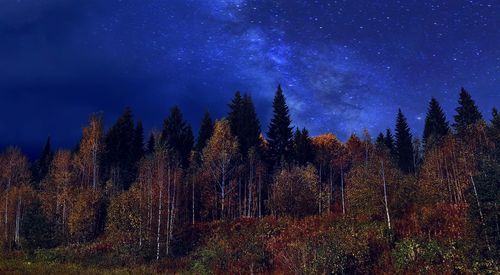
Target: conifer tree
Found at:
x=120, y=160
x=404, y=144
x=41, y=166
x=177, y=136
x=206, y=130
x=467, y=113
x=389, y=143
x=303, y=148
x=436, y=126
x=280, y=132
x=138, y=143
x=244, y=122
x=151, y=144
x=380, y=141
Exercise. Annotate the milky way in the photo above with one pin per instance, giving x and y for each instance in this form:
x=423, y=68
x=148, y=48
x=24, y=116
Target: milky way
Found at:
x=344, y=65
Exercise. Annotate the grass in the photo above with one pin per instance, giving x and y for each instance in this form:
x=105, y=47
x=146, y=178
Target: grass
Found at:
x=19, y=266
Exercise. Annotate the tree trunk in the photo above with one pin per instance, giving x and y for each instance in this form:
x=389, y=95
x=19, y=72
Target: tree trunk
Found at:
x=480, y=213
x=385, y=198
x=342, y=188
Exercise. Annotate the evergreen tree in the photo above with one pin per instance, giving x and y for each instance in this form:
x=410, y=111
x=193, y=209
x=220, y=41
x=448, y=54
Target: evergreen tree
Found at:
x=151, y=144
x=244, y=122
x=404, y=144
x=436, y=126
x=380, y=141
x=235, y=113
x=41, y=166
x=467, y=113
x=205, y=133
x=249, y=135
x=119, y=158
x=177, y=135
x=138, y=143
x=280, y=132
x=494, y=131
x=303, y=148
x=389, y=143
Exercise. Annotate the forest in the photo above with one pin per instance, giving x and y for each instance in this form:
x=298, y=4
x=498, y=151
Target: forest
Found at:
x=240, y=198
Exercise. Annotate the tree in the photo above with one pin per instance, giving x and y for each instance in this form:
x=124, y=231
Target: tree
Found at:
x=280, y=132
x=327, y=150
x=58, y=192
x=41, y=165
x=467, y=113
x=244, y=122
x=177, y=136
x=404, y=144
x=436, y=126
x=37, y=231
x=90, y=152
x=294, y=192
x=138, y=143
x=303, y=148
x=390, y=144
x=205, y=133
x=84, y=219
x=120, y=157
x=151, y=144
x=219, y=158
x=494, y=131
x=15, y=178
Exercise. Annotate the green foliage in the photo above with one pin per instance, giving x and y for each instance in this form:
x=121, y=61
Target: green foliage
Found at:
x=436, y=126
x=404, y=144
x=280, y=133
x=205, y=133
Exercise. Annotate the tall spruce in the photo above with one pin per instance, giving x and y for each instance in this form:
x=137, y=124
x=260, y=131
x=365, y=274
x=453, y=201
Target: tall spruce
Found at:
x=467, y=113
x=138, y=143
x=205, y=133
x=177, y=136
x=244, y=122
x=41, y=165
x=494, y=131
x=119, y=158
x=389, y=143
x=404, y=144
x=280, y=133
x=151, y=144
x=303, y=148
x=380, y=141
x=436, y=126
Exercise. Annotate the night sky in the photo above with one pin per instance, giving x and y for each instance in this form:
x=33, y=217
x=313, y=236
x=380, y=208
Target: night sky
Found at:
x=343, y=65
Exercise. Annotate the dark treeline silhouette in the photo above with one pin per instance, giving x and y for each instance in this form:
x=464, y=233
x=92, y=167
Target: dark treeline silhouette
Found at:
x=232, y=200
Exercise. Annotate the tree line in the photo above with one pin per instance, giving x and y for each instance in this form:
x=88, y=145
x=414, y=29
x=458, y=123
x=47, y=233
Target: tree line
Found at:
x=145, y=193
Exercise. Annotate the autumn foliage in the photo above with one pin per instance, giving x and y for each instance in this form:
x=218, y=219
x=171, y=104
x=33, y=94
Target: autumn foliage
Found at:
x=239, y=203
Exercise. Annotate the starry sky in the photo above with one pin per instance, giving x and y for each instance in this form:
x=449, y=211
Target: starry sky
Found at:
x=343, y=65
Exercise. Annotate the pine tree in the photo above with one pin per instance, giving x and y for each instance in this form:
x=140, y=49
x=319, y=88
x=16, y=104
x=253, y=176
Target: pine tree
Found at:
x=380, y=141
x=41, y=166
x=404, y=144
x=280, y=132
x=389, y=143
x=177, y=136
x=234, y=116
x=138, y=143
x=250, y=131
x=467, y=113
x=244, y=122
x=205, y=133
x=436, y=126
x=151, y=144
x=494, y=131
x=303, y=148
x=120, y=159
